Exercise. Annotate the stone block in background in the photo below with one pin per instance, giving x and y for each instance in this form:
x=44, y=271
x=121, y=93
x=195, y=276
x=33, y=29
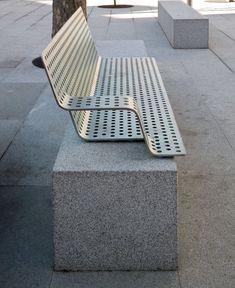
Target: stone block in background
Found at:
x=184, y=27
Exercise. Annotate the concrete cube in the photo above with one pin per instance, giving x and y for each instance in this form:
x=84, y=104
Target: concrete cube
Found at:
x=184, y=27
x=114, y=207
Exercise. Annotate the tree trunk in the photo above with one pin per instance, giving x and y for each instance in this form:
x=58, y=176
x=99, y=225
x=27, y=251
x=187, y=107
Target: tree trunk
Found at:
x=63, y=10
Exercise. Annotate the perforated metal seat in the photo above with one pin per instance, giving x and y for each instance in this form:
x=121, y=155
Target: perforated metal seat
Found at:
x=110, y=98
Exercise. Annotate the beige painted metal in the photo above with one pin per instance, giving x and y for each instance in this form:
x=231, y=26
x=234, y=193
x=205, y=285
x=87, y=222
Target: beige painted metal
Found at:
x=110, y=98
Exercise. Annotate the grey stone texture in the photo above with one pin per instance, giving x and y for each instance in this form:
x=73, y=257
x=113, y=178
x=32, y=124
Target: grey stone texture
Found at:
x=116, y=279
x=30, y=158
x=206, y=242
x=221, y=43
x=114, y=207
x=25, y=72
x=26, y=240
x=17, y=99
x=8, y=130
x=184, y=27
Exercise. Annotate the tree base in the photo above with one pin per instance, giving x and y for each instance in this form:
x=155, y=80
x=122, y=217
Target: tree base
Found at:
x=38, y=62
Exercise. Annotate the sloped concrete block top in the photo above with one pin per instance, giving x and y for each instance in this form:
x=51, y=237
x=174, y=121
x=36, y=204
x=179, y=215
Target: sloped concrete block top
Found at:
x=114, y=207
x=184, y=27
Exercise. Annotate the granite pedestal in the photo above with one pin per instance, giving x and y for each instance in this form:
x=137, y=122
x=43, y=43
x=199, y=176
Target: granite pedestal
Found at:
x=184, y=27
x=114, y=207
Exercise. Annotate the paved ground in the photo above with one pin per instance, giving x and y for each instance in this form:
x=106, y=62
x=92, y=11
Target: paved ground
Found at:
x=200, y=84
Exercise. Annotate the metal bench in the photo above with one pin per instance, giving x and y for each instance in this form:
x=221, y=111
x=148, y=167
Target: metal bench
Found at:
x=110, y=98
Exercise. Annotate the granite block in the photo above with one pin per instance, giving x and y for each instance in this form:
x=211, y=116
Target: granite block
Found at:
x=116, y=279
x=184, y=27
x=114, y=207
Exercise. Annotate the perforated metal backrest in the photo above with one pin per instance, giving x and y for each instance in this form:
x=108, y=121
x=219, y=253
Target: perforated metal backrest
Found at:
x=71, y=59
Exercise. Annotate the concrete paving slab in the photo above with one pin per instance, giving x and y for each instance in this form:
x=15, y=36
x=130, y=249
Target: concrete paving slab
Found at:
x=8, y=130
x=26, y=237
x=20, y=16
x=98, y=33
x=115, y=280
x=99, y=21
x=121, y=18
x=18, y=99
x=206, y=145
x=121, y=31
x=121, y=48
x=203, y=137
x=224, y=23
x=44, y=9
x=4, y=72
x=19, y=38
x=217, y=90
x=205, y=232
x=30, y=158
x=200, y=63
x=223, y=47
x=141, y=30
x=27, y=73
x=22, y=24
x=10, y=63
x=14, y=46
x=120, y=10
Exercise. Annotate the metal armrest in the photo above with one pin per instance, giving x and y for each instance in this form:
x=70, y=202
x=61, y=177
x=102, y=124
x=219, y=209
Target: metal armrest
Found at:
x=74, y=103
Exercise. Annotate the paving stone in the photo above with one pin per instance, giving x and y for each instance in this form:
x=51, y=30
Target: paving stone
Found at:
x=4, y=72
x=26, y=72
x=10, y=63
x=14, y=46
x=194, y=107
x=121, y=31
x=25, y=242
x=98, y=33
x=99, y=21
x=8, y=130
x=205, y=232
x=121, y=48
x=17, y=99
x=115, y=280
x=223, y=47
x=30, y=158
x=141, y=30
x=224, y=23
